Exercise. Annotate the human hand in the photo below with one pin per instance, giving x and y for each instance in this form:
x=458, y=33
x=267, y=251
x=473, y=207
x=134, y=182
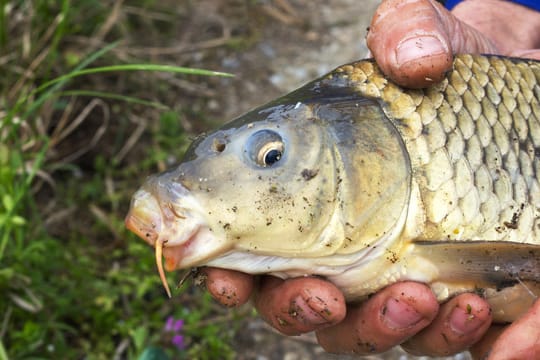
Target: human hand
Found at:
x=405, y=312
x=400, y=312
x=413, y=41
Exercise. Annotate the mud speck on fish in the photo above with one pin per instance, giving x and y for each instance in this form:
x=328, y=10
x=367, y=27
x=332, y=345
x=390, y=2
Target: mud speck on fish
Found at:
x=309, y=174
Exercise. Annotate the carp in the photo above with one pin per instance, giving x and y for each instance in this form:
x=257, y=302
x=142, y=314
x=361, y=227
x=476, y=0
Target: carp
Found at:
x=365, y=183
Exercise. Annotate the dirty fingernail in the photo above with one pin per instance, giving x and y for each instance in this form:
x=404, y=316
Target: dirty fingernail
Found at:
x=463, y=321
x=301, y=310
x=415, y=48
x=398, y=314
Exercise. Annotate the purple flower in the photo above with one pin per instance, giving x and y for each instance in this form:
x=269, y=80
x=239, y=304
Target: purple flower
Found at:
x=174, y=329
x=178, y=341
x=173, y=325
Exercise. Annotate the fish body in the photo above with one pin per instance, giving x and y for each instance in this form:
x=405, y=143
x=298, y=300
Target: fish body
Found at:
x=365, y=183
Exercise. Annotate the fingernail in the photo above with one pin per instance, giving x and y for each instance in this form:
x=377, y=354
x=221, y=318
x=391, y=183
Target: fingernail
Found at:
x=398, y=314
x=416, y=48
x=463, y=321
x=300, y=309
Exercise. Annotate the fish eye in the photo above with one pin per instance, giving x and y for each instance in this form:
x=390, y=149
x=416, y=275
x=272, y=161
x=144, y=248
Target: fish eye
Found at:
x=265, y=148
x=270, y=154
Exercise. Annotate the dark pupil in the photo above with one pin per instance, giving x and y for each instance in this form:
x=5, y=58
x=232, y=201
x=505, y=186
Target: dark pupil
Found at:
x=272, y=157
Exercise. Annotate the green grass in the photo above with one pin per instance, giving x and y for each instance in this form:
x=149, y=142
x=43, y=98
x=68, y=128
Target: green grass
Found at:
x=73, y=282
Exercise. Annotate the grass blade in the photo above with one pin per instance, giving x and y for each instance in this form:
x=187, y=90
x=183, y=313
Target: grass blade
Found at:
x=3, y=354
x=107, y=95
x=61, y=82
x=133, y=67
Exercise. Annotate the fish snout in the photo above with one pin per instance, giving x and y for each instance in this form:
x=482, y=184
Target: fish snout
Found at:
x=154, y=217
x=144, y=217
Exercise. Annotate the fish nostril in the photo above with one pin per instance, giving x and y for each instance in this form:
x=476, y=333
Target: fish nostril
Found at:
x=218, y=145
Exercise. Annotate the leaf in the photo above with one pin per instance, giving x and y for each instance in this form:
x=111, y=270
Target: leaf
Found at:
x=3, y=354
x=7, y=201
x=7, y=273
x=153, y=353
x=4, y=154
x=139, y=336
x=18, y=220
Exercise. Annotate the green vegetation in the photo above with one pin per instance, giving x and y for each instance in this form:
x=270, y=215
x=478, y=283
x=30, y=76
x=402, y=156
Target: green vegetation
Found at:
x=79, y=130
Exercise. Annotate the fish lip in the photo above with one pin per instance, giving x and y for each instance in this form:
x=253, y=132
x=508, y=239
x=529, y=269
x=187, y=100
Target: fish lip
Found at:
x=178, y=230
x=188, y=254
x=144, y=217
x=175, y=253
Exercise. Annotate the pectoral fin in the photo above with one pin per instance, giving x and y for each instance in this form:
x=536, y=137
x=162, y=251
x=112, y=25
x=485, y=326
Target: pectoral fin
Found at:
x=506, y=273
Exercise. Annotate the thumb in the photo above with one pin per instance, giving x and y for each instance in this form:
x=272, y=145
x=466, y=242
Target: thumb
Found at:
x=413, y=41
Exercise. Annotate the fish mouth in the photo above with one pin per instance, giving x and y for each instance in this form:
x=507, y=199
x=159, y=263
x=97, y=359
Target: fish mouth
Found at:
x=171, y=231
x=172, y=256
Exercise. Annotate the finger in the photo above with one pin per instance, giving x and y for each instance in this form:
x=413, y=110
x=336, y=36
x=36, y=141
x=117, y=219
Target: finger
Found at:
x=481, y=349
x=383, y=321
x=508, y=24
x=461, y=322
x=299, y=305
x=521, y=340
x=413, y=41
x=230, y=288
x=527, y=54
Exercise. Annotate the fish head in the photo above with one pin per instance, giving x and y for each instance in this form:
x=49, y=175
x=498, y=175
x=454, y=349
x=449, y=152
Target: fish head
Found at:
x=263, y=184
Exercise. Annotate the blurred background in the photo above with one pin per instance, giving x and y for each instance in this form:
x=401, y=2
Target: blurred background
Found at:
x=74, y=146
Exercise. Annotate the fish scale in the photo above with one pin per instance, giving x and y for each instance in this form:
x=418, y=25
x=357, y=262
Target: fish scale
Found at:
x=497, y=174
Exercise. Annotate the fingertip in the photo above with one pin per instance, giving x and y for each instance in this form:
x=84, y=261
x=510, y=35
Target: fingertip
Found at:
x=409, y=42
x=470, y=317
x=461, y=322
x=230, y=288
x=383, y=321
x=423, y=70
x=408, y=304
x=300, y=305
